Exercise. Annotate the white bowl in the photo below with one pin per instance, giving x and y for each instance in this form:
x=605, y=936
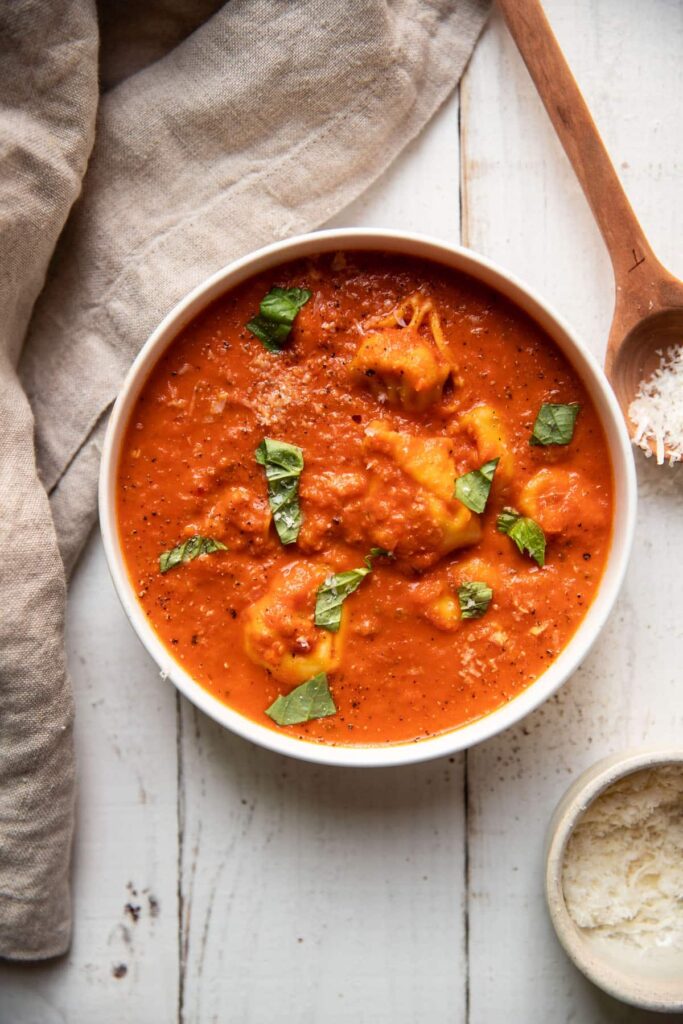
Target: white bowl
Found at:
x=641, y=982
x=482, y=270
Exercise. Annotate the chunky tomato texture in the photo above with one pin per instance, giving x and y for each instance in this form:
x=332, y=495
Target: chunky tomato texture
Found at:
x=398, y=377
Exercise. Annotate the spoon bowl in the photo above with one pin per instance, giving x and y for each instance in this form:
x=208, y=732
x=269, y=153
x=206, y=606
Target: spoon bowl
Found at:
x=639, y=353
x=647, y=325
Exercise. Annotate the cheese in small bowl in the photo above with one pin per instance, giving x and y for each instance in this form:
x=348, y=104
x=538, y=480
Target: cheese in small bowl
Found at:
x=615, y=877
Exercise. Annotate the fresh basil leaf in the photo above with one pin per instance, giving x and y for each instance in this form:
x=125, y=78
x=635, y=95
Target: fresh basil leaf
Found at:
x=555, y=424
x=278, y=310
x=377, y=553
x=310, y=700
x=331, y=595
x=191, y=548
x=336, y=588
x=283, y=464
x=473, y=488
x=271, y=334
x=282, y=304
x=507, y=518
x=474, y=598
x=527, y=535
x=529, y=538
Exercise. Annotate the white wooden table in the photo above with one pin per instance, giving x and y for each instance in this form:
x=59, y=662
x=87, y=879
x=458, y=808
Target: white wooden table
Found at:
x=216, y=882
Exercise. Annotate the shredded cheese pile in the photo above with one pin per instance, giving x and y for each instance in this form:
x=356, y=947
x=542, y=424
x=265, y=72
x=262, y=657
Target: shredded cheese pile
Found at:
x=657, y=409
x=623, y=867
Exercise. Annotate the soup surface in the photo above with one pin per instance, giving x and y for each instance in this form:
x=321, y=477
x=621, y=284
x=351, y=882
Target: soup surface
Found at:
x=398, y=378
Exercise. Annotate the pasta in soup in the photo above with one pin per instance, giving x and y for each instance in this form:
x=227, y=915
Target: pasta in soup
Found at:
x=364, y=499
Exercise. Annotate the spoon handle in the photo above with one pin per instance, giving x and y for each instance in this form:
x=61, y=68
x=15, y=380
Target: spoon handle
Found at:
x=628, y=248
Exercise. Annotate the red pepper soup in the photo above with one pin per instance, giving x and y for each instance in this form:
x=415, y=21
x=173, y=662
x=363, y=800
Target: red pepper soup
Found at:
x=364, y=499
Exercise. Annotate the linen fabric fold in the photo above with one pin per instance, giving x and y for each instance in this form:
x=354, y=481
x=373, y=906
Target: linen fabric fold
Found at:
x=47, y=120
x=263, y=122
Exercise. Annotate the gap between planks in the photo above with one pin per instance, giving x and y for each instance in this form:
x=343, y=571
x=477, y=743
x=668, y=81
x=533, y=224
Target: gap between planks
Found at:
x=463, y=109
x=180, y=818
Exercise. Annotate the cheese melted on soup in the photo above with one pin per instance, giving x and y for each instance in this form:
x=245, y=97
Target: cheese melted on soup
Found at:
x=364, y=499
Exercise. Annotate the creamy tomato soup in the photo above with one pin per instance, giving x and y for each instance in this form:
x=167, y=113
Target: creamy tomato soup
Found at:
x=364, y=499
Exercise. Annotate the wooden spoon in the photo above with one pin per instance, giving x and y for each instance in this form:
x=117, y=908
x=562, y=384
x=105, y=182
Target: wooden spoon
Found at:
x=648, y=313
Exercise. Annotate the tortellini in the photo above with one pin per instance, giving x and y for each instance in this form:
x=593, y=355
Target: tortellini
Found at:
x=409, y=508
x=483, y=424
x=444, y=612
x=563, y=501
x=279, y=631
x=404, y=358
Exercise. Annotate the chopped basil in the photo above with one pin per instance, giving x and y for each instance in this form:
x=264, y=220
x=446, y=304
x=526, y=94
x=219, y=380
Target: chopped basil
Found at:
x=555, y=424
x=331, y=595
x=191, y=548
x=310, y=700
x=473, y=488
x=377, y=553
x=474, y=598
x=282, y=304
x=527, y=535
x=272, y=335
x=336, y=588
x=506, y=520
x=283, y=464
x=278, y=311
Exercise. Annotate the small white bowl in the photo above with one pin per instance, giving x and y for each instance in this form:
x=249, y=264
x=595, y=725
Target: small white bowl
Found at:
x=482, y=270
x=643, y=983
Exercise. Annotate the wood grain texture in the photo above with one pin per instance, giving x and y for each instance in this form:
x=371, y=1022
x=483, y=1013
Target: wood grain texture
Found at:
x=523, y=207
x=566, y=107
x=306, y=887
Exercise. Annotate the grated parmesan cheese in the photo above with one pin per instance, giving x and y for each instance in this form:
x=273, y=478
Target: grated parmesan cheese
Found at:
x=623, y=866
x=657, y=409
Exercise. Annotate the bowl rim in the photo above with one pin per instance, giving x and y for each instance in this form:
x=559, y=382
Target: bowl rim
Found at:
x=624, y=986
x=487, y=272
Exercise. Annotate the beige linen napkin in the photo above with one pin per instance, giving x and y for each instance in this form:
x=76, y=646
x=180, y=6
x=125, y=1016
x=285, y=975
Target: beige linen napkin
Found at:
x=264, y=121
x=48, y=100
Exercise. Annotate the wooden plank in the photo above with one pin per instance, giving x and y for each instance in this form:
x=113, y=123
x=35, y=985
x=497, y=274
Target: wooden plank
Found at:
x=307, y=891
x=420, y=191
x=124, y=957
x=315, y=894
x=523, y=208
